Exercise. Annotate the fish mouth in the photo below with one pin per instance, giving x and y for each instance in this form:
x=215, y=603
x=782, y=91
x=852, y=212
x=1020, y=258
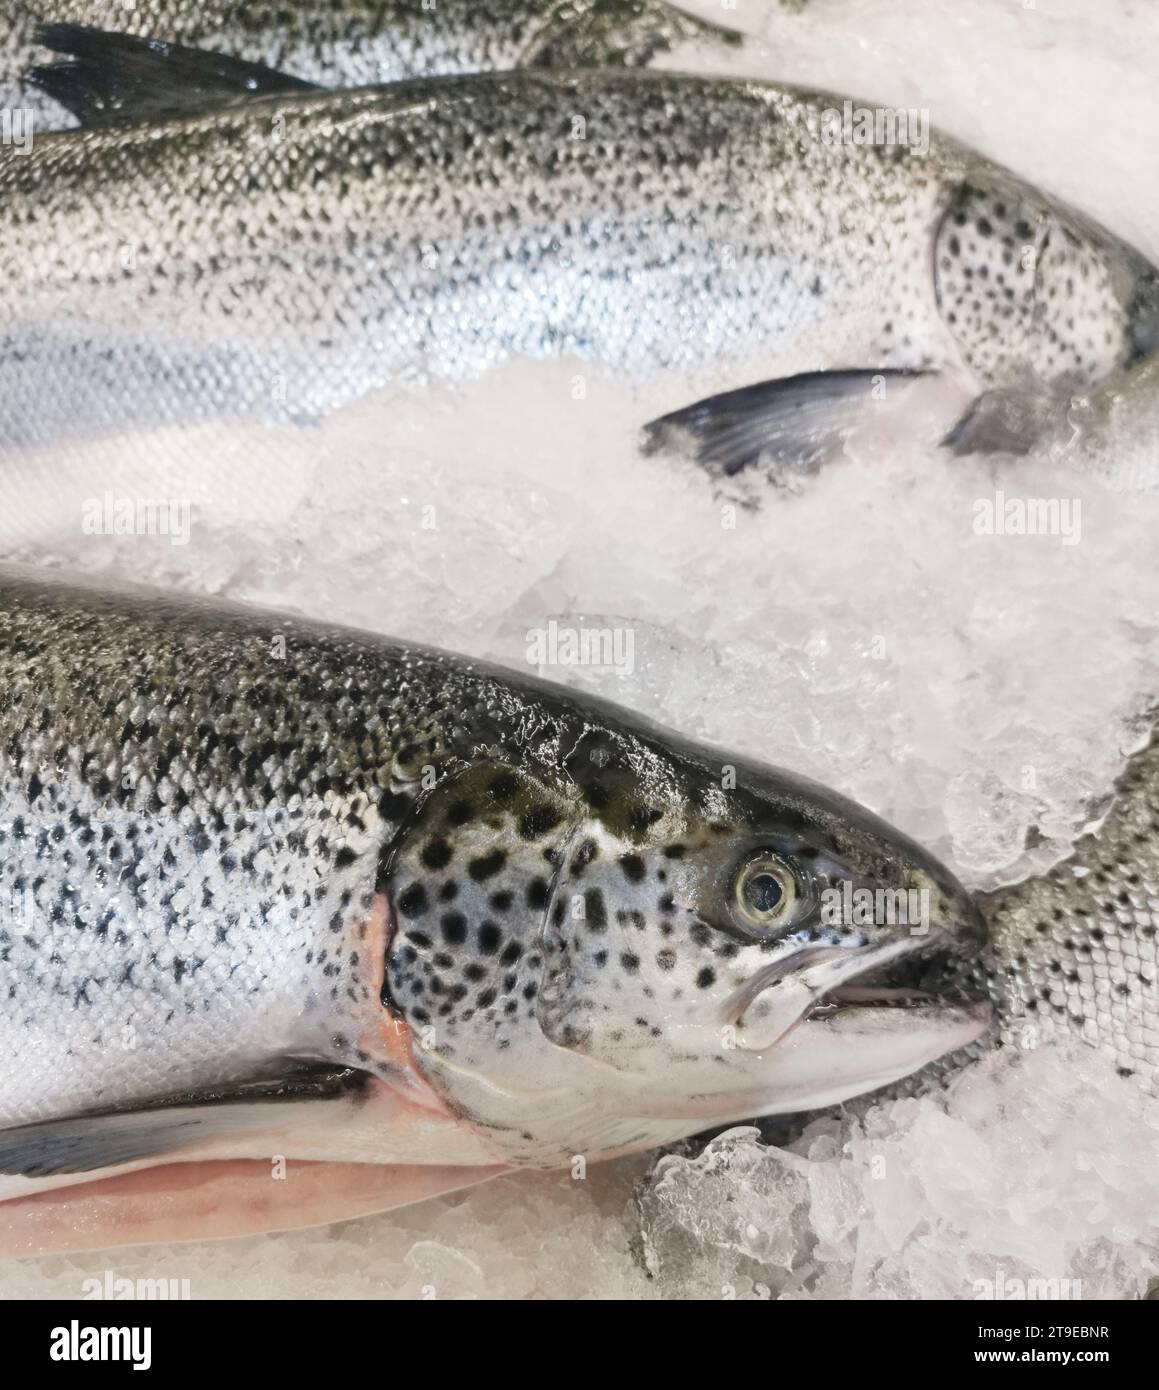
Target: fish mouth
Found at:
x=925, y=980
x=902, y=984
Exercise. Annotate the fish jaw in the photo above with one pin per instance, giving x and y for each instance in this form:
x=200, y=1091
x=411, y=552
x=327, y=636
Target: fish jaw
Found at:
x=861, y=1047
x=849, y=1037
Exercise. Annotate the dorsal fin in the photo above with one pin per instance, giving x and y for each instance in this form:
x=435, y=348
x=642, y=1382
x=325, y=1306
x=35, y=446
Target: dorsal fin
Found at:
x=112, y=78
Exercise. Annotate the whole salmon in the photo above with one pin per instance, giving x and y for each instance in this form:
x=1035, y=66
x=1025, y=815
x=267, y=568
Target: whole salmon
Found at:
x=272, y=258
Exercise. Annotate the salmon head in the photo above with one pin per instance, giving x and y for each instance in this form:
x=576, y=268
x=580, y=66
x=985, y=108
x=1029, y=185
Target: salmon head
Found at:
x=623, y=943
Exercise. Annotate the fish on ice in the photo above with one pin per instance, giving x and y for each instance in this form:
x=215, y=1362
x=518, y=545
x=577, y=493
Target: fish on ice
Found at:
x=299, y=923
x=271, y=258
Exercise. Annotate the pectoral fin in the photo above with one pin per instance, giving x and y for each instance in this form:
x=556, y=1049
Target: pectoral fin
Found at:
x=207, y=1201
x=175, y=1125
x=322, y=1145
x=788, y=426
x=1009, y=420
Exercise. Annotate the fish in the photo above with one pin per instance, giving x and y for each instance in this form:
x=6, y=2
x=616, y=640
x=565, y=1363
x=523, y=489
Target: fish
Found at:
x=272, y=259
x=276, y=892
x=357, y=43
x=1072, y=953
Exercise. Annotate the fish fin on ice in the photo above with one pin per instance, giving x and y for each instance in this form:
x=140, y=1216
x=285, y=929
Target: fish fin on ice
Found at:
x=788, y=426
x=1007, y=420
x=110, y=78
x=206, y=1201
x=333, y=1145
x=176, y=1124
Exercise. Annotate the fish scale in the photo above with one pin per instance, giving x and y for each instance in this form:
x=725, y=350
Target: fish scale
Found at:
x=356, y=43
x=236, y=844
x=1074, y=951
x=273, y=261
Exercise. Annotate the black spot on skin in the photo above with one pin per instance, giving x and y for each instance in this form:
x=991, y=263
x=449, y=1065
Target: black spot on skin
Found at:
x=642, y=818
x=344, y=858
x=511, y=953
x=503, y=788
x=486, y=998
x=985, y=228
x=459, y=813
x=666, y=959
x=630, y=962
x=674, y=852
x=538, y=821
x=454, y=926
x=487, y=865
x=633, y=867
x=501, y=901
x=436, y=854
x=490, y=938
x=474, y=972
x=594, y=911
x=706, y=978
x=412, y=901
x=537, y=894
x=449, y=891
x=667, y=903
x=392, y=806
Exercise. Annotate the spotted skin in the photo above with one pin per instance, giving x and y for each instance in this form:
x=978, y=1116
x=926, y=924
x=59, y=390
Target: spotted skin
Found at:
x=999, y=257
x=699, y=235
x=1075, y=951
x=250, y=842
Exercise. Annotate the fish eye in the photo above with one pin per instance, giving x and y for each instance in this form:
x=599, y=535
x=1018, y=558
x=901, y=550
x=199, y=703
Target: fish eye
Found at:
x=765, y=892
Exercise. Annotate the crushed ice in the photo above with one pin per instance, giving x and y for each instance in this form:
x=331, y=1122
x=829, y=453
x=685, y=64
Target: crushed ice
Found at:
x=979, y=691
